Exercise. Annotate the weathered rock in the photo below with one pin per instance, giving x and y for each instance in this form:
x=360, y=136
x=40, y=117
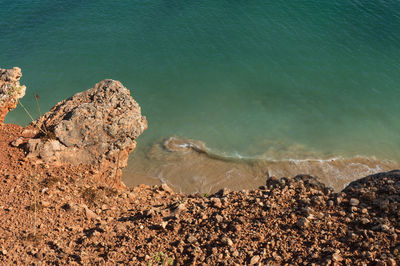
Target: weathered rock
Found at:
x=30, y=132
x=17, y=142
x=97, y=127
x=10, y=90
x=184, y=145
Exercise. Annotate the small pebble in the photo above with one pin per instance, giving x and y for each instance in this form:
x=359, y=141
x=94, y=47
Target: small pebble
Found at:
x=254, y=260
x=191, y=239
x=166, y=188
x=303, y=223
x=217, y=202
x=354, y=202
x=164, y=224
x=336, y=256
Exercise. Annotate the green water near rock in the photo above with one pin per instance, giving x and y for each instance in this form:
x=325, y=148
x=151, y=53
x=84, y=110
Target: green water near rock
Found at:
x=244, y=77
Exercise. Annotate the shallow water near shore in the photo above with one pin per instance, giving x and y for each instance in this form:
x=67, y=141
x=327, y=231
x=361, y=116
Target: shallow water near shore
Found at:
x=269, y=88
x=190, y=166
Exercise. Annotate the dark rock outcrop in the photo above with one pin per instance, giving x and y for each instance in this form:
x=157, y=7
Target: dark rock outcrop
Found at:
x=10, y=90
x=385, y=181
x=379, y=192
x=97, y=127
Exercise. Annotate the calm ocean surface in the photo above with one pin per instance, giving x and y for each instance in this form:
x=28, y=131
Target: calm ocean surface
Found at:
x=272, y=80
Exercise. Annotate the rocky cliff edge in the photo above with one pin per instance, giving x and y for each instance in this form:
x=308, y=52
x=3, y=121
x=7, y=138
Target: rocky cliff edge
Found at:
x=97, y=127
x=10, y=90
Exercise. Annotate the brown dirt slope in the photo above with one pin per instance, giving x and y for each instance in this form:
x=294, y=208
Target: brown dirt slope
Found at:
x=62, y=216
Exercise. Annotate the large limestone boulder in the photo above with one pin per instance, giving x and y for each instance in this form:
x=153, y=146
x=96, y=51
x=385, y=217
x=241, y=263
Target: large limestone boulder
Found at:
x=96, y=127
x=10, y=90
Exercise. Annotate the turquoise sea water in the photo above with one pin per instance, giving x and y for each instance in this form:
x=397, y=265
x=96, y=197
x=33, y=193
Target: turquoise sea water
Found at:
x=241, y=76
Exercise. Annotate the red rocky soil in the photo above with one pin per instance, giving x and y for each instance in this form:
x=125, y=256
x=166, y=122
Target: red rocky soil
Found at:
x=60, y=215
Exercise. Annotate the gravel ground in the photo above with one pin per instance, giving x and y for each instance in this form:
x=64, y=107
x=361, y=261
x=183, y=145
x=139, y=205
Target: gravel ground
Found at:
x=60, y=215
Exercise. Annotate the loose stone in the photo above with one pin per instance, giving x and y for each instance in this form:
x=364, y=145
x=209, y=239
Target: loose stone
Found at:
x=354, y=202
